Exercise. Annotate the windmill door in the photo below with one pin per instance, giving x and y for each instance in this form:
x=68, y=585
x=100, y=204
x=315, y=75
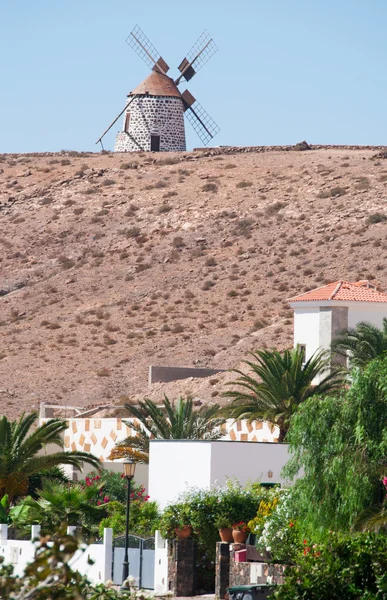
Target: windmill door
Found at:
x=155, y=143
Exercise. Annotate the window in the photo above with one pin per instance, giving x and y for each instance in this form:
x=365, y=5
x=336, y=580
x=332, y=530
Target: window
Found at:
x=127, y=121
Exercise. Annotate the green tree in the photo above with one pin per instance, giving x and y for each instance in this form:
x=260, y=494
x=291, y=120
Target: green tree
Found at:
x=22, y=456
x=341, y=445
x=361, y=344
x=278, y=383
x=60, y=504
x=169, y=421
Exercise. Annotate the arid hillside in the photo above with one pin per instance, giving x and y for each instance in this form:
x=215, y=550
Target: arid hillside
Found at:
x=110, y=263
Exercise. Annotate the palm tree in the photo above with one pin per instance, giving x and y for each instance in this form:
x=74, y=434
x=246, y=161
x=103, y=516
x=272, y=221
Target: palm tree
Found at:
x=362, y=343
x=278, y=384
x=21, y=456
x=170, y=421
x=60, y=504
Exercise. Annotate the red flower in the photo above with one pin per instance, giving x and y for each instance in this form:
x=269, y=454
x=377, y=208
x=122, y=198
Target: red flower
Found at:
x=291, y=524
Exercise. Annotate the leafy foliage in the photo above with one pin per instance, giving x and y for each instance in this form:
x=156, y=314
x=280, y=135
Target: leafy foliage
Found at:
x=278, y=384
x=362, y=344
x=351, y=568
x=22, y=456
x=144, y=518
x=341, y=443
x=58, y=504
x=171, y=421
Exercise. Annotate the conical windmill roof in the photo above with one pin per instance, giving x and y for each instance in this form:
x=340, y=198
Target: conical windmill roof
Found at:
x=157, y=84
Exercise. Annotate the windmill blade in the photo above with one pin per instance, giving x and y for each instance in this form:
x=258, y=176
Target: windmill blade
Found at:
x=116, y=119
x=201, y=52
x=203, y=124
x=142, y=46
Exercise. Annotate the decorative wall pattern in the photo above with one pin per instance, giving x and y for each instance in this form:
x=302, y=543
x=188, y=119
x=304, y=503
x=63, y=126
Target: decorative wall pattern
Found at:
x=160, y=115
x=99, y=436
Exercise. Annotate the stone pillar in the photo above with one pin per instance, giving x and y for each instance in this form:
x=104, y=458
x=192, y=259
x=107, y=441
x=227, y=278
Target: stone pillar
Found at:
x=222, y=569
x=181, y=567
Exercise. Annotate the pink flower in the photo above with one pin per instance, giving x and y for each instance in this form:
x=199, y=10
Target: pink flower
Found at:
x=99, y=503
x=106, y=499
x=385, y=482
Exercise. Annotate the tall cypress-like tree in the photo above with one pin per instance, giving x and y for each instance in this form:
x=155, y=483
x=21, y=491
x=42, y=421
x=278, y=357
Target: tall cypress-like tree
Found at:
x=340, y=443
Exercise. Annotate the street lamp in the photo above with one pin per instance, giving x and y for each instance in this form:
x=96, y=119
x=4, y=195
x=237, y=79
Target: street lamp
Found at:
x=129, y=470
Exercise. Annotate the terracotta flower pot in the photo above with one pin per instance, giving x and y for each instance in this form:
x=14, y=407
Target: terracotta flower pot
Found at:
x=184, y=532
x=226, y=534
x=239, y=537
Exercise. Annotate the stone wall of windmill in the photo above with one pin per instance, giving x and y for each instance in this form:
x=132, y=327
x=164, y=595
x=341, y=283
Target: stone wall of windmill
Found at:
x=160, y=115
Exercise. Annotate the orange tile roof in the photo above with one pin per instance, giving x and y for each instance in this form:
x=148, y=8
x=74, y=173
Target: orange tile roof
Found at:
x=157, y=84
x=359, y=291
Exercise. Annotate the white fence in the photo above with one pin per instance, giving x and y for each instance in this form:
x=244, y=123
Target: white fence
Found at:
x=21, y=552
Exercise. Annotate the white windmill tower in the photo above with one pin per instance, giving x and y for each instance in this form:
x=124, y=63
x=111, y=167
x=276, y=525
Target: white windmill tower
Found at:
x=154, y=112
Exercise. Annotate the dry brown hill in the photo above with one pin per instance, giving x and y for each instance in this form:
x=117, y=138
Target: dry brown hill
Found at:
x=113, y=262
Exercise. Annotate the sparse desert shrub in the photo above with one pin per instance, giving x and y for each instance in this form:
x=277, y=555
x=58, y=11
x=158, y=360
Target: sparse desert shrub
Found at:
x=45, y=201
x=169, y=160
x=232, y=294
x=107, y=182
x=207, y=285
x=178, y=242
x=131, y=165
x=170, y=194
x=210, y=187
x=142, y=267
x=363, y=183
x=275, y=207
x=133, y=232
x=78, y=211
x=65, y=262
x=211, y=262
x=103, y=372
x=260, y=324
x=230, y=166
x=332, y=192
x=164, y=208
x=91, y=190
x=243, y=227
x=65, y=161
x=376, y=218
x=244, y=184
x=102, y=212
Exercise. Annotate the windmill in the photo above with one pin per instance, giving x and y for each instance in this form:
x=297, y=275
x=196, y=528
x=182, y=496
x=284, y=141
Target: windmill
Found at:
x=154, y=111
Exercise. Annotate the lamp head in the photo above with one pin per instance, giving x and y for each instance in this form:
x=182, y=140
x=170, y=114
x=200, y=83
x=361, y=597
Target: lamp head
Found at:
x=129, y=468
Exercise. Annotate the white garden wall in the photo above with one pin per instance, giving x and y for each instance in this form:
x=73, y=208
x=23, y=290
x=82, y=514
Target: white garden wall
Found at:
x=19, y=553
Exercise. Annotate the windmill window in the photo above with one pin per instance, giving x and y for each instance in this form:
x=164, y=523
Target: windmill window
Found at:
x=127, y=121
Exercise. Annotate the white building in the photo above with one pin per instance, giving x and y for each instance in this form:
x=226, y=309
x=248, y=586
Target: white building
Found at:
x=322, y=314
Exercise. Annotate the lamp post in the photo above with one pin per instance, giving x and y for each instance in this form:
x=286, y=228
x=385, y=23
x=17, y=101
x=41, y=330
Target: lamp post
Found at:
x=129, y=470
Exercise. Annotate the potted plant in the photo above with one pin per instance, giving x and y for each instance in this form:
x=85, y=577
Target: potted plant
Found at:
x=175, y=522
x=223, y=524
x=240, y=531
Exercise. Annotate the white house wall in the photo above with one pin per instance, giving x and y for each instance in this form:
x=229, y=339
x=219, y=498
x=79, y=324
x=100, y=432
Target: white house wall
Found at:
x=176, y=466
x=307, y=329
x=371, y=312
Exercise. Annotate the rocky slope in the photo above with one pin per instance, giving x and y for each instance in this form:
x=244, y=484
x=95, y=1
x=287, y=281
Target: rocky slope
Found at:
x=110, y=263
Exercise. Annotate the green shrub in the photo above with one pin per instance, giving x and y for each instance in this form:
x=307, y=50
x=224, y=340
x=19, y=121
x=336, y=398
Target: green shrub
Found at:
x=343, y=568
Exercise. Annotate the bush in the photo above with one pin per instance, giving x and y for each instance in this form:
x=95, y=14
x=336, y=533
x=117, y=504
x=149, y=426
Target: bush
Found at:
x=350, y=567
x=376, y=218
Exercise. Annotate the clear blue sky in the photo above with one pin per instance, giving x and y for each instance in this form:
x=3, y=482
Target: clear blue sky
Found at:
x=286, y=70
